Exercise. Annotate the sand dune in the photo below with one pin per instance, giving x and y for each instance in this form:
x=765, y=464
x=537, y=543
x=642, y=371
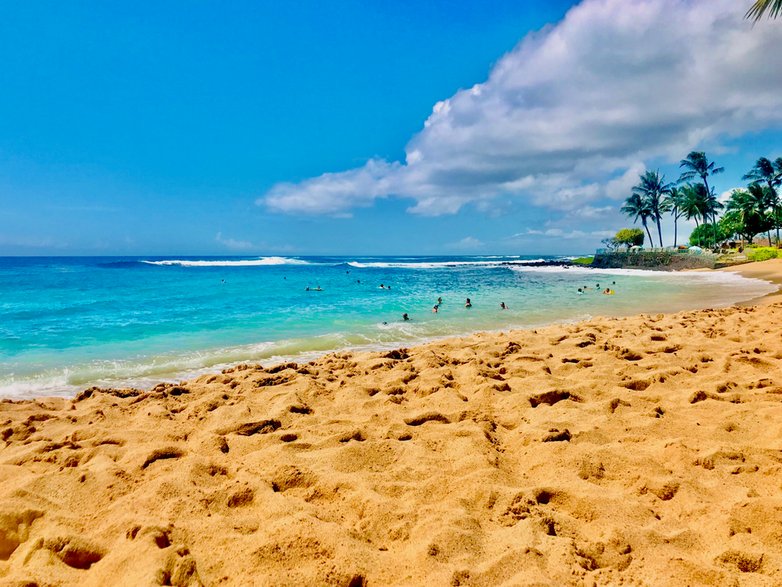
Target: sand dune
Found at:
x=631, y=451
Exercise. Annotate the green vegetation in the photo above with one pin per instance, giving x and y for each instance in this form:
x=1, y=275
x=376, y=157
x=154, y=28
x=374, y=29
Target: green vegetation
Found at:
x=749, y=211
x=703, y=235
x=583, y=261
x=629, y=237
x=760, y=7
x=762, y=253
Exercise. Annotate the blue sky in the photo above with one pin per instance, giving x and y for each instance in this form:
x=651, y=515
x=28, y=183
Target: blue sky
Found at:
x=180, y=128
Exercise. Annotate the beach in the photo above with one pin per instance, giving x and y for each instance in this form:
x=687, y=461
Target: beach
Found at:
x=637, y=450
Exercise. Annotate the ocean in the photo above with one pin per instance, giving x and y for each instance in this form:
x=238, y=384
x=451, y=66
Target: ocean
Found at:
x=68, y=323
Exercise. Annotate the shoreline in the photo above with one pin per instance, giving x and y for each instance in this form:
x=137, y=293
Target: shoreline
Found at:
x=770, y=270
x=637, y=450
x=147, y=381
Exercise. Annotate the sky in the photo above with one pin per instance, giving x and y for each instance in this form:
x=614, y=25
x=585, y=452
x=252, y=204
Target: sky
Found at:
x=366, y=127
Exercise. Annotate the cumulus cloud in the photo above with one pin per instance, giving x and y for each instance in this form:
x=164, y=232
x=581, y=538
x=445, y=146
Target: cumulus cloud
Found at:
x=571, y=115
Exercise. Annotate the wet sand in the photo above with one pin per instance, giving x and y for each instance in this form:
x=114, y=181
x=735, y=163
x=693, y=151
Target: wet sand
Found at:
x=618, y=451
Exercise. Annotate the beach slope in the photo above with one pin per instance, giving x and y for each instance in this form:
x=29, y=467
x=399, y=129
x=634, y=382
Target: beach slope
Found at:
x=637, y=451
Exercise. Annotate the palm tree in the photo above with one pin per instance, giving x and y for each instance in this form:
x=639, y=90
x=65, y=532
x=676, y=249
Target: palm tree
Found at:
x=750, y=207
x=637, y=207
x=759, y=8
x=698, y=165
x=694, y=202
x=761, y=197
x=674, y=202
x=653, y=189
x=769, y=172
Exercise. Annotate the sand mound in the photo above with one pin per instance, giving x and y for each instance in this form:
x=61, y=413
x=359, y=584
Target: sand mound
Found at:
x=636, y=451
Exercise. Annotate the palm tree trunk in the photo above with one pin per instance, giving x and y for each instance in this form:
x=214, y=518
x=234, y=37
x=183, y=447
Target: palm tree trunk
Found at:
x=646, y=226
x=660, y=231
x=675, y=229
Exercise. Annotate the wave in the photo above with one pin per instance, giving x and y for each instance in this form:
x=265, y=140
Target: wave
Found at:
x=441, y=264
x=260, y=262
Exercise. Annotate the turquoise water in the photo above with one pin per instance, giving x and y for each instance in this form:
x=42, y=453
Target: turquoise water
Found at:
x=69, y=323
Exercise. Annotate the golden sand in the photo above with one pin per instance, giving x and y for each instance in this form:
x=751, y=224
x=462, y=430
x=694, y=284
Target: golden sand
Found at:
x=618, y=451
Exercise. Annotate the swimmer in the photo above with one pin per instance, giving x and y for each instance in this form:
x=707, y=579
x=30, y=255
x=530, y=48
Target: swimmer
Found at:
x=405, y=317
x=580, y=291
x=435, y=309
x=382, y=286
x=358, y=281
x=439, y=300
x=503, y=306
x=468, y=303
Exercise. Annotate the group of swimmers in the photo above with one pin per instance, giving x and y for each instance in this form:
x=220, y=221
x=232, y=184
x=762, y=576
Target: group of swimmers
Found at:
x=607, y=291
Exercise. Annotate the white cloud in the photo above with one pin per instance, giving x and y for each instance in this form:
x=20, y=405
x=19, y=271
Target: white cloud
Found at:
x=572, y=113
x=562, y=233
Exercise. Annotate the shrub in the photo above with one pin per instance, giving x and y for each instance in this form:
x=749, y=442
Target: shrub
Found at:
x=629, y=237
x=583, y=261
x=762, y=253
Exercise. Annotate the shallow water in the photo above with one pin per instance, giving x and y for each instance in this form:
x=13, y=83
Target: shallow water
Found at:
x=69, y=323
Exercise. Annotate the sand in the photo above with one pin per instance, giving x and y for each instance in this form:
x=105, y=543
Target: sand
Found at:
x=620, y=451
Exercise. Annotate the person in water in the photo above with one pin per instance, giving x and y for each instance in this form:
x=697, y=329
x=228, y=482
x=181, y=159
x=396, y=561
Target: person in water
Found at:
x=382, y=286
x=439, y=300
x=503, y=306
x=468, y=303
x=435, y=309
x=405, y=317
x=580, y=291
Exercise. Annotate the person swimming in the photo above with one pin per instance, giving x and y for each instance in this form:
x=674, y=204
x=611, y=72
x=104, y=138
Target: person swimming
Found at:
x=468, y=303
x=580, y=291
x=405, y=317
x=382, y=286
x=439, y=300
x=435, y=309
x=503, y=306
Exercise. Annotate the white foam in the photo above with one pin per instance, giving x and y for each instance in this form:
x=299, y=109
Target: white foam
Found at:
x=440, y=264
x=260, y=262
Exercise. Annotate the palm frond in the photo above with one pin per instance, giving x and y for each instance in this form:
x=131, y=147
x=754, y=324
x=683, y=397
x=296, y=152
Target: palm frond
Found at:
x=760, y=7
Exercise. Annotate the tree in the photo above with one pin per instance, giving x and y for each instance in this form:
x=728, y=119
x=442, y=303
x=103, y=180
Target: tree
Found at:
x=637, y=208
x=770, y=173
x=674, y=201
x=694, y=202
x=629, y=237
x=702, y=235
x=653, y=189
x=760, y=7
x=696, y=164
x=747, y=209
